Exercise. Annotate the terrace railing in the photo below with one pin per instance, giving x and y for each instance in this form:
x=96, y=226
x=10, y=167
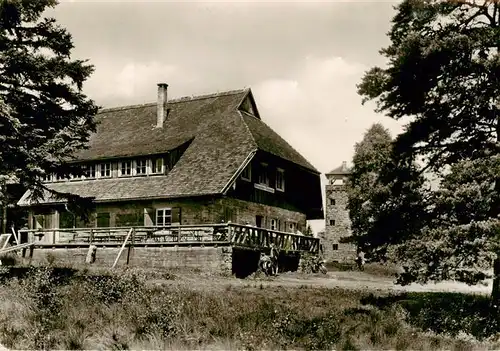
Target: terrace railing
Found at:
x=150, y=234
x=225, y=233
x=242, y=235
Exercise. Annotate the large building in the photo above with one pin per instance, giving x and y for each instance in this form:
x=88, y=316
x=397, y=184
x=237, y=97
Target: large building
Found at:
x=337, y=222
x=193, y=160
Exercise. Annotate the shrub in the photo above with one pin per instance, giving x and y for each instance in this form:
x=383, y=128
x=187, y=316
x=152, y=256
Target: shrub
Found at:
x=442, y=312
x=50, y=258
x=8, y=260
x=56, y=308
x=111, y=288
x=310, y=263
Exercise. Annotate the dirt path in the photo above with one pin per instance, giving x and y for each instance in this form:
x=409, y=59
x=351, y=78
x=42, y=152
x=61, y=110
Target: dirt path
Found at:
x=347, y=280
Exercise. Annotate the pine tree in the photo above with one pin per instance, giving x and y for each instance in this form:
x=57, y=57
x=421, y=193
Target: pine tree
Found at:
x=44, y=115
x=443, y=75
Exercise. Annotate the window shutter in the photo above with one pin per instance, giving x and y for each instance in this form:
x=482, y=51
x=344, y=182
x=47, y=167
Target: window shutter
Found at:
x=149, y=217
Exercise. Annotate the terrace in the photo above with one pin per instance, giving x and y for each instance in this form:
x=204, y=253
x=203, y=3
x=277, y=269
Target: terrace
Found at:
x=225, y=234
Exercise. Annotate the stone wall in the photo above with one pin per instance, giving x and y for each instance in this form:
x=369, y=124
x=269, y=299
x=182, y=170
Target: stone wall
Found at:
x=330, y=239
x=222, y=260
x=206, y=259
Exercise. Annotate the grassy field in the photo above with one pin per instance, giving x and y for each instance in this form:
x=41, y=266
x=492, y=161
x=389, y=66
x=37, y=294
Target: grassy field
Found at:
x=63, y=308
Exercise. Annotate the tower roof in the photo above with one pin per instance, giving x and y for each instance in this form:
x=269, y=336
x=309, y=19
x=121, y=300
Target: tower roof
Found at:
x=340, y=170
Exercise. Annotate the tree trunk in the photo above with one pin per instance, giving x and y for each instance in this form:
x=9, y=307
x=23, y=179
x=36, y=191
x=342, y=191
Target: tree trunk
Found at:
x=495, y=289
x=3, y=204
x=495, y=293
x=4, y=217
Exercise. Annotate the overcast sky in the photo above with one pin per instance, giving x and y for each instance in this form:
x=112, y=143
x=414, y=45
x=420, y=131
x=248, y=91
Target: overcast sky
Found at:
x=301, y=60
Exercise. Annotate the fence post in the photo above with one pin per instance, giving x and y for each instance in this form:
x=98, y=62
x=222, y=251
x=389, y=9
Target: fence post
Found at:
x=53, y=237
x=131, y=245
x=91, y=236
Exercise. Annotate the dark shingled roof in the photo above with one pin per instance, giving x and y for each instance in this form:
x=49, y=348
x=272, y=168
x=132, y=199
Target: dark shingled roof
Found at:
x=268, y=140
x=221, y=139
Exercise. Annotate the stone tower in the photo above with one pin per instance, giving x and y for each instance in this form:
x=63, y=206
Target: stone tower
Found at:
x=337, y=223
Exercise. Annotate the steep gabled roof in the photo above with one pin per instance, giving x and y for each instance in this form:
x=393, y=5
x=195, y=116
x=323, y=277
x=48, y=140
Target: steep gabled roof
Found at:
x=221, y=138
x=131, y=130
x=269, y=141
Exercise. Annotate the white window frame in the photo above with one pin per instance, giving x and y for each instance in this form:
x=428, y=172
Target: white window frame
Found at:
x=262, y=167
x=88, y=170
x=292, y=227
x=274, y=223
x=47, y=178
x=164, y=211
x=120, y=166
x=144, y=167
x=282, y=172
x=102, y=170
x=154, y=161
x=247, y=177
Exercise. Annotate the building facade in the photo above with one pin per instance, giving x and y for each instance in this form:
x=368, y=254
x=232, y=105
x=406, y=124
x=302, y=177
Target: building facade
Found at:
x=337, y=222
x=196, y=160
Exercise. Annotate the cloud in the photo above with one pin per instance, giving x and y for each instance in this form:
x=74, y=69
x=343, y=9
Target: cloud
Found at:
x=129, y=83
x=318, y=110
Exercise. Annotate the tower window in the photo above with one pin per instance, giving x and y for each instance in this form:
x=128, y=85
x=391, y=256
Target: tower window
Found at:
x=332, y=202
x=332, y=222
x=335, y=247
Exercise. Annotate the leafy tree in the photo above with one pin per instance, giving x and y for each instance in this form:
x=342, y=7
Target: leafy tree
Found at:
x=384, y=209
x=44, y=116
x=443, y=75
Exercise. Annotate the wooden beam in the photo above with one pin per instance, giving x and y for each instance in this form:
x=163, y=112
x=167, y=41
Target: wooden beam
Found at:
x=15, y=235
x=123, y=247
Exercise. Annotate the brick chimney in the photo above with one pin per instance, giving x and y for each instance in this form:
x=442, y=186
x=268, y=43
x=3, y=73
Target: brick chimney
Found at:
x=161, y=108
x=344, y=165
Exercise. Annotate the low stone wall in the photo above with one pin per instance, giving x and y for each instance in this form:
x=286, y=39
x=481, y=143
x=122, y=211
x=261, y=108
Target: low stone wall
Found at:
x=205, y=259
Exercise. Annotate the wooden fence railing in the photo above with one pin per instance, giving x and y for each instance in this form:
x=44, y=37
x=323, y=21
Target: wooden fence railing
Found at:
x=234, y=234
x=184, y=233
x=242, y=235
